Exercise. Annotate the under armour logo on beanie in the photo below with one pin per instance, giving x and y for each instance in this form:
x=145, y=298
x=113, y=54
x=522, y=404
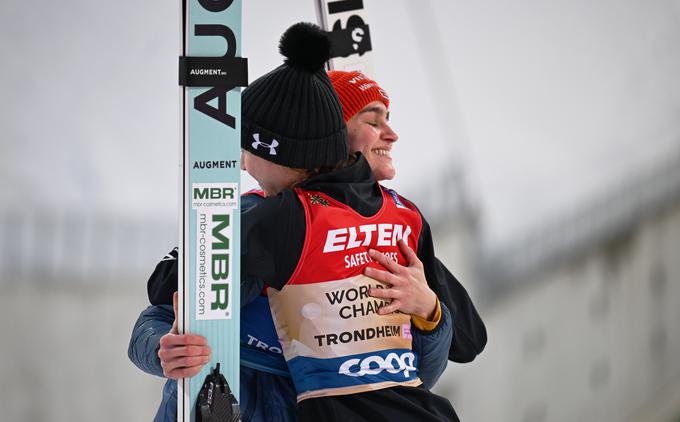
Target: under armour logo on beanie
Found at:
x=272, y=146
x=292, y=116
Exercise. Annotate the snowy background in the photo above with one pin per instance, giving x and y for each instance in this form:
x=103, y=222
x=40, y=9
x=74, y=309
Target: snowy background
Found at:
x=541, y=106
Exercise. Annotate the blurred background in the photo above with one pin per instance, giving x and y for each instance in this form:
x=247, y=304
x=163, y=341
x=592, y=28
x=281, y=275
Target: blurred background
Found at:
x=541, y=139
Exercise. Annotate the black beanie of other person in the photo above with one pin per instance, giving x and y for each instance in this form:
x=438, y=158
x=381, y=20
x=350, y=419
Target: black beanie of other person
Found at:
x=292, y=116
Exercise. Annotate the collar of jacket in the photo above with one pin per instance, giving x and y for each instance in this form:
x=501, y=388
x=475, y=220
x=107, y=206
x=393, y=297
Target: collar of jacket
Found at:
x=353, y=185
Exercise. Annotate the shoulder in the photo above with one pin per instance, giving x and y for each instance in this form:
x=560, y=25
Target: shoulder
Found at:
x=273, y=206
x=399, y=200
x=272, y=218
x=272, y=238
x=250, y=199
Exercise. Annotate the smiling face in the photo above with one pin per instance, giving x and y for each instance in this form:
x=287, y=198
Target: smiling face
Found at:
x=272, y=178
x=370, y=134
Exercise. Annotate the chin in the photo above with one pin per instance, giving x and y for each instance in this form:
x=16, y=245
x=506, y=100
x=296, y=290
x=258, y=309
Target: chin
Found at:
x=385, y=175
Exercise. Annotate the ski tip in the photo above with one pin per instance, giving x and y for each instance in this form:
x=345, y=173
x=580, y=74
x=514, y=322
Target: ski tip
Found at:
x=305, y=46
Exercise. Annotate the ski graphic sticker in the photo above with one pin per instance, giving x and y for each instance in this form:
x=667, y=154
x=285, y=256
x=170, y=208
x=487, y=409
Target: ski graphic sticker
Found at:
x=347, y=23
x=214, y=204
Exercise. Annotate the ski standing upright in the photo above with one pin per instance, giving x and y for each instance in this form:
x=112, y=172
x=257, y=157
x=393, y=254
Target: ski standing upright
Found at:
x=211, y=73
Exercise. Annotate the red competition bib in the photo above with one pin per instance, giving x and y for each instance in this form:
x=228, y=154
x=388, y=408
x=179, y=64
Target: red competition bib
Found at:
x=333, y=338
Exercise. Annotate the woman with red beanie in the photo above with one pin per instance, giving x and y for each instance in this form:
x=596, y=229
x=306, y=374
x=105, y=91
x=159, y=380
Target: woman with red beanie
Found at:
x=365, y=109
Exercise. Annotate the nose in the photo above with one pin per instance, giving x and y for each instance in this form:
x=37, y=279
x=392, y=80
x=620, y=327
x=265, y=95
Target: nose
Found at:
x=243, y=161
x=389, y=134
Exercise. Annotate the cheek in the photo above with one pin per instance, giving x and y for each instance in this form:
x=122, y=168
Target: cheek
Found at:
x=363, y=138
x=254, y=169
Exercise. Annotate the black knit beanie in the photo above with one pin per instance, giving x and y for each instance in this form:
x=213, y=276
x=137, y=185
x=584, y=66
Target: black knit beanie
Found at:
x=292, y=116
